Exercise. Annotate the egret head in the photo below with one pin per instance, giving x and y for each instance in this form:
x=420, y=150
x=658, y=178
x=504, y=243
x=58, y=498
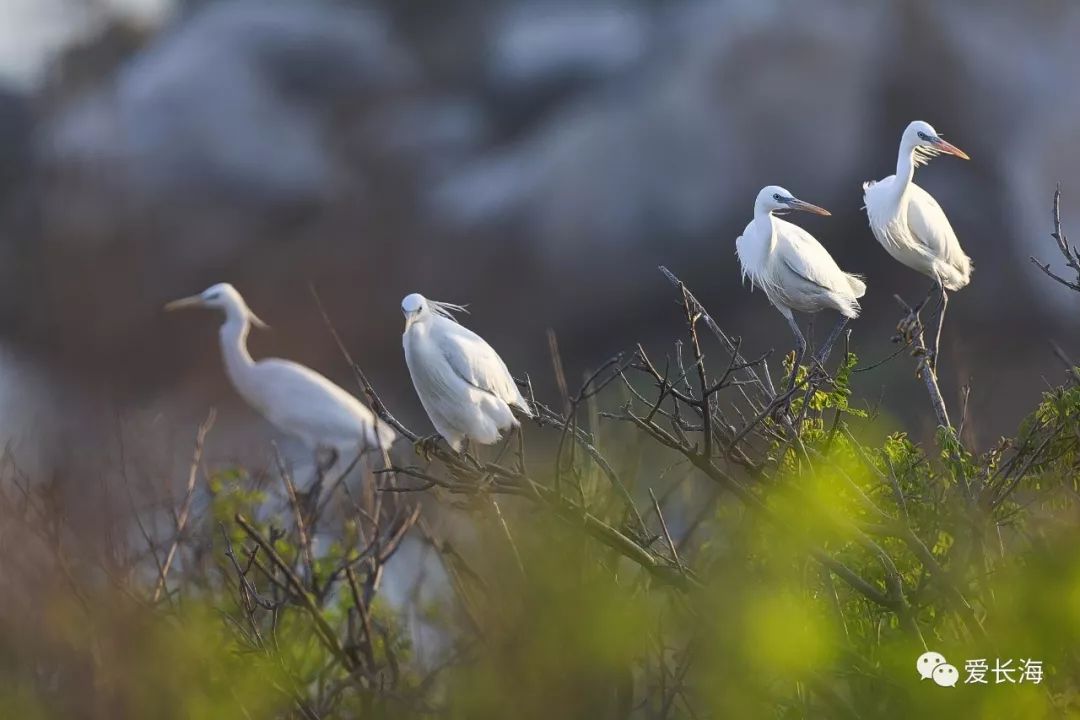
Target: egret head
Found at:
x=774, y=198
x=923, y=140
x=222, y=296
x=414, y=307
x=418, y=308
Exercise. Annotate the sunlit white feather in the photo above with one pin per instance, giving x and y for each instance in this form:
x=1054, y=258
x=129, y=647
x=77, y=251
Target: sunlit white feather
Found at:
x=909, y=223
x=793, y=269
x=463, y=384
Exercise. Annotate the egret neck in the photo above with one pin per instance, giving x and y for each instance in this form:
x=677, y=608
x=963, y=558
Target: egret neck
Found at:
x=763, y=223
x=234, y=333
x=905, y=171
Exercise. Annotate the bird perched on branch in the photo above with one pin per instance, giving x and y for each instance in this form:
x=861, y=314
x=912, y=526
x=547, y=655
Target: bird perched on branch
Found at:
x=462, y=382
x=297, y=400
x=910, y=224
x=793, y=268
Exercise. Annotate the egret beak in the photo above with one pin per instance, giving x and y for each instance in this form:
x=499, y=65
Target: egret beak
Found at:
x=188, y=302
x=950, y=149
x=797, y=204
x=410, y=318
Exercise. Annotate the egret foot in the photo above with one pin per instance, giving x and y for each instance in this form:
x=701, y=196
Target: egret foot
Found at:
x=909, y=325
x=425, y=446
x=923, y=360
x=930, y=359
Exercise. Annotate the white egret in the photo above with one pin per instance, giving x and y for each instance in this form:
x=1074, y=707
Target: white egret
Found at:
x=297, y=400
x=462, y=382
x=909, y=223
x=793, y=268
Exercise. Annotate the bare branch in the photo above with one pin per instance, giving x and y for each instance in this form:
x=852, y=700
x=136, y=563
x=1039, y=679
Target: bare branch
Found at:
x=185, y=507
x=1069, y=252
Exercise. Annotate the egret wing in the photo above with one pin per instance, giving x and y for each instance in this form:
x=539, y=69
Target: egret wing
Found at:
x=809, y=262
x=930, y=227
x=301, y=401
x=477, y=363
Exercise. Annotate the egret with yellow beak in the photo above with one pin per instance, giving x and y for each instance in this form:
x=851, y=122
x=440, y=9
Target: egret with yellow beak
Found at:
x=910, y=224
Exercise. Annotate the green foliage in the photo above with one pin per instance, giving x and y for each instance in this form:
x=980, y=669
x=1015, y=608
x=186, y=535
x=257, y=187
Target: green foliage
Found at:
x=140, y=663
x=846, y=551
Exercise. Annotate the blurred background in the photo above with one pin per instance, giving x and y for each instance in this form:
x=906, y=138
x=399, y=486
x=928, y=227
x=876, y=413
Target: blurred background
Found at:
x=535, y=159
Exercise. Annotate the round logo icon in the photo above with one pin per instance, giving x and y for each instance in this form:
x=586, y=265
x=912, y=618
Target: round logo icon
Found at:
x=946, y=675
x=927, y=662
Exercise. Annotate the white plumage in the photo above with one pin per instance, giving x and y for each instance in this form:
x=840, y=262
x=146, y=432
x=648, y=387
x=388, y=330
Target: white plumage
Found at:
x=908, y=222
x=297, y=400
x=792, y=267
x=462, y=382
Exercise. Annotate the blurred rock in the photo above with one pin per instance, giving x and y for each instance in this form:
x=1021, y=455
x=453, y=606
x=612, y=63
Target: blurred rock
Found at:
x=541, y=52
x=16, y=128
x=683, y=145
x=430, y=133
x=227, y=132
x=235, y=100
x=16, y=200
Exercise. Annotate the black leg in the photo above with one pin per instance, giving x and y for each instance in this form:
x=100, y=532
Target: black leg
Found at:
x=823, y=352
x=800, y=349
x=932, y=294
x=941, y=324
x=908, y=325
x=326, y=458
x=324, y=466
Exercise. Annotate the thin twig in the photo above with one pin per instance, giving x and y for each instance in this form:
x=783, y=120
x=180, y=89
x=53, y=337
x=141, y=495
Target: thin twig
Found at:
x=185, y=508
x=667, y=533
x=1069, y=252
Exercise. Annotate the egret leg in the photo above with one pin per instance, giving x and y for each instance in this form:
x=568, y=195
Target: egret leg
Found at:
x=340, y=475
x=907, y=326
x=800, y=348
x=932, y=294
x=823, y=352
x=325, y=460
x=941, y=324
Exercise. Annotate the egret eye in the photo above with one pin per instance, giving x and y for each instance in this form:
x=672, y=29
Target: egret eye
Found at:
x=777, y=197
x=212, y=296
x=923, y=136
